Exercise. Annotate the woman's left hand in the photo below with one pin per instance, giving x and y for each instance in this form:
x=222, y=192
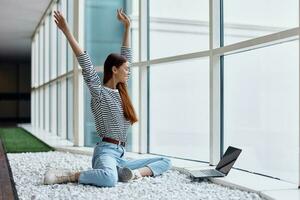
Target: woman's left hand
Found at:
x=122, y=17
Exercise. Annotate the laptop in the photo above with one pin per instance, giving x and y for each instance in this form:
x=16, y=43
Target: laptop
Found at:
x=223, y=167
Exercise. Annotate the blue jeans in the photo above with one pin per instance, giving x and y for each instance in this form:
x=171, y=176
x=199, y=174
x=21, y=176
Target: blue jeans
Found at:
x=108, y=156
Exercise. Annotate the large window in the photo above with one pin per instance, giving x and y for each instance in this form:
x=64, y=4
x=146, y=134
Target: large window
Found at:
x=41, y=55
x=70, y=23
x=54, y=110
x=52, y=86
x=132, y=11
x=100, y=41
x=59, y=109
x=260, y=109
x=178, y=27
x=53, y=46
x=249, y=19
x=90, y=134
x=47, y=48
x=192, y=97
x=37, y=108
x=133, y=133
x=70, y=108
x=47, y=108
x=179, y=109
x=61, y=43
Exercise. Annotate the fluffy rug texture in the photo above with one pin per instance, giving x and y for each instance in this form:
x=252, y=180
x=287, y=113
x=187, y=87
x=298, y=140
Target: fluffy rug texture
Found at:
x=28, y=170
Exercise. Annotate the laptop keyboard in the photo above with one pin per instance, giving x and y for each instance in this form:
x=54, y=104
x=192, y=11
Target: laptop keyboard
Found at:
x=210, y=172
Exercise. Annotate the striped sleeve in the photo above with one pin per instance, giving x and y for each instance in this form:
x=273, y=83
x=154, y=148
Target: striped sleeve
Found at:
x=89, y=73
x=127, y=53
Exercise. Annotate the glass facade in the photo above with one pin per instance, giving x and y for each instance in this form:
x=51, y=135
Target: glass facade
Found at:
x=100, y=41
x=174, y=31
x=90, y=134
x=191, y=93
x=245, y=20
x=70, y=118
x=59, y=109
x=260, y=99
x=69, y=14
x=179, y=109
x=52, y=95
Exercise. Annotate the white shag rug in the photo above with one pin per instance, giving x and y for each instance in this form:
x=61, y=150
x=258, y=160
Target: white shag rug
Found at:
x=28, y=170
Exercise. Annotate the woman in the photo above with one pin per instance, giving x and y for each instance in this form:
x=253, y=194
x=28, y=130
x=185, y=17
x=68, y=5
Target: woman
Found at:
x=113, y=113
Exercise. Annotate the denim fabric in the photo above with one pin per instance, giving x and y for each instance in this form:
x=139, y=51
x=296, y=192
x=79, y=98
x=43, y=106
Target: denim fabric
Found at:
x=108, y=156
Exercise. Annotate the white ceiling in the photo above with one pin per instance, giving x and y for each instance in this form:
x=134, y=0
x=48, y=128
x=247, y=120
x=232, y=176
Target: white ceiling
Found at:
x=18, y=20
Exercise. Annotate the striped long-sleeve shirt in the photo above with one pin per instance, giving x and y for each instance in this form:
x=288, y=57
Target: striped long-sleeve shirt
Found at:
x=106, y=103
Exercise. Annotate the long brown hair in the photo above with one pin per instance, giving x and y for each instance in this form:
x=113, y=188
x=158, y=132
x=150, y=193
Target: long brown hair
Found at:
x=117, y=60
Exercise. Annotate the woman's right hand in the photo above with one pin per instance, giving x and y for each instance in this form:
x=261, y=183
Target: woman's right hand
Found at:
x=60, y=21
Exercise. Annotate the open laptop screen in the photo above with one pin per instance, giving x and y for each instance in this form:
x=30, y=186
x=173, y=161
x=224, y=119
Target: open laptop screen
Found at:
x=228, y=159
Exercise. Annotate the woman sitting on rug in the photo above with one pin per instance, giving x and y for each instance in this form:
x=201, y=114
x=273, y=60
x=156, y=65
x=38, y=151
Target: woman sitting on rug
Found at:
x=113, y=113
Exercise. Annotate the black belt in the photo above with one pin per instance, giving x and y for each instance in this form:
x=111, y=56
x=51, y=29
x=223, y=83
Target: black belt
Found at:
x=110, y=140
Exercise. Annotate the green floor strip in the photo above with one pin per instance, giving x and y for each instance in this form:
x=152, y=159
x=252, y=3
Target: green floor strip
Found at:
x=17, y=140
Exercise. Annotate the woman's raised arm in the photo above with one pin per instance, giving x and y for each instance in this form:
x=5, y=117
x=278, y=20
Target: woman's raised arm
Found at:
x=89, y=73
x=63, y=26
x=125, y=49
x=124, y=19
